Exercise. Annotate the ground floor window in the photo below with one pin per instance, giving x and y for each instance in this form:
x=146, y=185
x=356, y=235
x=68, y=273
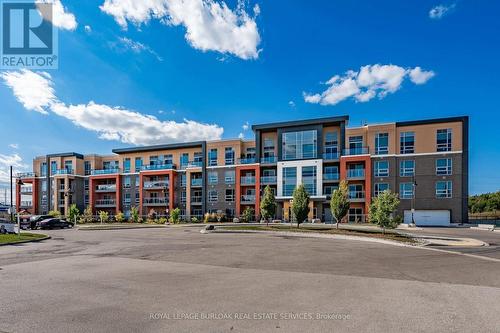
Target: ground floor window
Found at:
x=356, y=215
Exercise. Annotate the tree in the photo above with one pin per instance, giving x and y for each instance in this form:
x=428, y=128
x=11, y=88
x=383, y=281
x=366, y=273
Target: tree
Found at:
x=134, y=214
x=87, y=216
x=103, y=216
x=339, y=203
x=382, y=210
x=247, y=214
x=55, y=213
x=73, y=213
x=175, y=215
x=300, y=204
x=268, y=204
x=120, y=217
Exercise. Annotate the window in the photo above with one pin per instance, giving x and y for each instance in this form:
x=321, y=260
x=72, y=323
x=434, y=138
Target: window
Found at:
x=443, y=166
x=184, y=160
x=250, y=152
x=43, y=169
x=406, y=191
x=153, y=160
x=356, y=191
x=212, y=157
x=229, y=156
x=382, y=143
x=229, y=177
x=44, y=186
x=329, y=189
x=443, y=189
x=300, y=145
x=268, y=147
x=382, y=169
x=213, y=196
x=53, y=167
x=198, y=158
x=183, y=180
x=183, y=196
x=407, y=142
x=137, y=198
x=380, y=187
x=443, y=139
x=137, y=180
x=309, y=179
x=230, y=195
x=138, y=164
x=407, y=168
x=87, y=168
x=68, y=166
x=331, y=145
x=126, y=199
x=212, y=178
x=355, y=145
x=289, y=181
x=86, y=199
x=356, y=215
x=126, y=165
x=127, y=181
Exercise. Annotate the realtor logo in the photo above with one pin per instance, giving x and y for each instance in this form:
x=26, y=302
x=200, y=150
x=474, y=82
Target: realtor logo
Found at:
x=28, y=38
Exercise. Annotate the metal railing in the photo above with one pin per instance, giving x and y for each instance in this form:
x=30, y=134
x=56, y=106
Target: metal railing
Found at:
x=105, y=202
x=356, y=151
x=195, y=164
x=269, y=160
x=355, y=173
x=356, y=194
x=25, y=204
x=197, y=182
x=105, y=171
x=158, y=167
x=26, y=189
x=247, y=180
x=159, y=184
x=331, y=176
x=26, y=175
x=106, y=188
x=331, y=156
x=155, y=201
x=64, y=172
x=268, y=179
x=248, y=198
x=249, y=160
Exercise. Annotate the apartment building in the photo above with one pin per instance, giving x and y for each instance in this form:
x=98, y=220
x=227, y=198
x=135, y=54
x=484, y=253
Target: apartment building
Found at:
x=426, y=162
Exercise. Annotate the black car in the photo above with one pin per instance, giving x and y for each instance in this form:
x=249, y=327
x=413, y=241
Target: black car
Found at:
x=38, y=218
x=54, y=223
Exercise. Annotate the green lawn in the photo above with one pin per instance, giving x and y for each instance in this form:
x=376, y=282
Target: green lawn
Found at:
x=10, y=238
x=390, y=234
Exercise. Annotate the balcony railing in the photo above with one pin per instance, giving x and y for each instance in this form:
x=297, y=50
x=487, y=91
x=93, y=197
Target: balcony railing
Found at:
x=356, y=195
x=355, y=173
x=250, y=160
x=105, y=203
x=331, y=176
x=331, y=156
x=26, y=204
x=197, y=182
x=269, y=160
x=196, y=200
x=26, y=175
x=155, y=201
x=356, y=151
x=26, y=189
x=105, y=171
x=248, y=180
x=268, y=180
x=63, y=172
x=155, y=185
x=106, y=188
x=158, y=167
x=248, y=198
x=195, y=164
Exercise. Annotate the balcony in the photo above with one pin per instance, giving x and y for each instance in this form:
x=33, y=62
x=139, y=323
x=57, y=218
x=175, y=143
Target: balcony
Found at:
x=26, y=175
x=250, y=160
x=248, y=199
x=63, y=172
x=106, y=188
x=356, y=196
x=197, y=182
x=248, y=180
x=269, y=160
x=331, y=156
x=105, y=171
x=356, y=151
x=156, y=185
x=195, y=164
x=105, y=203
x=355, y=173
x=158, y=167
x=196, y=200
x=26, y=190
x=159, y=201
x=331, y=176
x=25, y=204
x=268, y=180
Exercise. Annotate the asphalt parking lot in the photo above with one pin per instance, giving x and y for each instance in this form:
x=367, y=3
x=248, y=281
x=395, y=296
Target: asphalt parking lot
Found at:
x=178, y=280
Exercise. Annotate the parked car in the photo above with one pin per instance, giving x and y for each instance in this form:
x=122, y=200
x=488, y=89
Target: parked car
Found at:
x=7, y=227
x=54, y=223
x=38, y=218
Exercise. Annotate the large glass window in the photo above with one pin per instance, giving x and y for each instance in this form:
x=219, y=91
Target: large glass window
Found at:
x=269, y=147
x=331, y=145
x=53, y=167
x=407, y=142
x=212, y=177
x=289, y=181
x=198, y=158
x=355, y=145
x=184, y=160
x=138, y=164
x=309, y=176
x=407, y=168
x=406, y=191
x=382, y=143
x=382, y=169
x=126, y=165
x=127, y=181
x=229, y=176
x=229, y=156
x=68, y=166
x=212, y=157
x=380, y=187
x=87, y=168
x=229, y=195
x=356, y=191
x=443, y=189
x=168, y=159
x=43, y=169
x=213, y=196
x=443, y=166
x=299, y=145
x=443, y=139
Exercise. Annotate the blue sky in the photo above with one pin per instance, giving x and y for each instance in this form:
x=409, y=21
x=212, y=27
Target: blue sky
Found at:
x=258, y=66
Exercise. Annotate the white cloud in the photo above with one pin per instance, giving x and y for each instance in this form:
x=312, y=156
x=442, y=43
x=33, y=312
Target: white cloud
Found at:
x=241, y=136
x=439, y=11
x=14, y=146
x=6, y=161
x=33, y=90
x=291, y=104
x=210, y=25
x=111, y=123
x=369, y=82
x=88, y=29
x=61, y=18
x=125, y=43
x=246, y=126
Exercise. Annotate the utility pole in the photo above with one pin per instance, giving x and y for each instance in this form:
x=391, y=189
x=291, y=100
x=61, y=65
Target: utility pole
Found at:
x=11, y=198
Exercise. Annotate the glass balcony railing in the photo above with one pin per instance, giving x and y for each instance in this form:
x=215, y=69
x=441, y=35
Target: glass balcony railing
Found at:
x=356, y=151
x=105, y=171
x=106, y=188
x=195, y=164
x=331, y=176
x=158, y=167
x=64, y=172
x=26, y=204
x=248, y=198
x=356, y=194
x=26, y=175
x=355, y=173
x=26, y=189
x=196, y=182
x=249, y=160
x=268, y=180
x=248, y=180
x=159, y=184
x=105, y=202
x=331, y=156
x=268, y=160
x=155, y=201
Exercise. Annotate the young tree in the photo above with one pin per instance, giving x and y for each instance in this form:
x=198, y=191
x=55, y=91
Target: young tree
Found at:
x=87, y=216
x=73, y=213
x=103, y=216
x=382, y=209
x=175, y=215
x=268, y=204
x=339, y=203
x=300, y=204
x=134, y=214
x=55, y=213
x=247, y=214
x=120, y=217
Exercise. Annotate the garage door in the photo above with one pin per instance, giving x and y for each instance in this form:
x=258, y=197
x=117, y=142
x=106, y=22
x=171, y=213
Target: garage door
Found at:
x=429, y=217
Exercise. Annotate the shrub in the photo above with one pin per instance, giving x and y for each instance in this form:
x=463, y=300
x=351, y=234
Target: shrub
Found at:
x=55, y=213
x=87, y=216
x=382, y=210
x=103, y=216
x=247, y=215
x=210, y=218
x=134, y=215
x=194, y=219
x=162, y=220
x=175, y=216
x=120, y=217
x=73, y=213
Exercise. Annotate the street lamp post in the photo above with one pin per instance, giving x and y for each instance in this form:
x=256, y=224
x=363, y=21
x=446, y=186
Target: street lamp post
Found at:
x=414, y=188
x=20, y=183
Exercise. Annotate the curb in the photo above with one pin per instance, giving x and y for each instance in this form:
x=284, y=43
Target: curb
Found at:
x=27, y=241
x=120, y=228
